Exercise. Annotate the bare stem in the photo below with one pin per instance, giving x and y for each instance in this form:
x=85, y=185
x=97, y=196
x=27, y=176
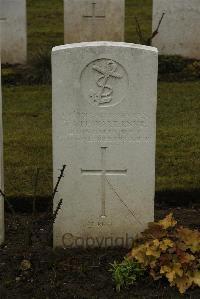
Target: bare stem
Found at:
x=35, y=190
x=55, y=214
x=156, y=31
x=58, y=181
x=139, y=31
x=8, y=202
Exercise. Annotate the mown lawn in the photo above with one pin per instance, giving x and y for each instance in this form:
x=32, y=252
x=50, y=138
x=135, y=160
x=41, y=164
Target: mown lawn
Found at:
x=45, y=22
x=27, y=113
x=27, y=139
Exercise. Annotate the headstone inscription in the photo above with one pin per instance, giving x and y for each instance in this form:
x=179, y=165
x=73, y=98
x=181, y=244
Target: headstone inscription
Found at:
x=93, y=20
x=1, y=158
x=179, y=30
x=14, y=36
x=104, y=128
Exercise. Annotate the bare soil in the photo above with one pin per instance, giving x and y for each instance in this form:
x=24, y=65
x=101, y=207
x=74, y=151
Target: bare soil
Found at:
x=72, y=273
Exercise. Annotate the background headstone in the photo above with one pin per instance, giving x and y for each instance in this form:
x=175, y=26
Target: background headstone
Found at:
x=93, y=20
x=179, y=30
x=14, y=36
x=1, y=159
x=104, y=130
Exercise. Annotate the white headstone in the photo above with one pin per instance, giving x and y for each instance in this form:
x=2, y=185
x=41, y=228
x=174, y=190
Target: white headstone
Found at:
x=93, y=20
x=179, y=30
x=104, y=130
x=14, y=36
x=1, y=159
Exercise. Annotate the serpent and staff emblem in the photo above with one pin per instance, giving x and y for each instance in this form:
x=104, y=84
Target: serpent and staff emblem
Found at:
x=105, y=90
x=104, y=82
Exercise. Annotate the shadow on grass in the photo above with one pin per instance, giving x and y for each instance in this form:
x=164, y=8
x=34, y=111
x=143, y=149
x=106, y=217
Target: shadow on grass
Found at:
x=167, y=198
x=178, y=198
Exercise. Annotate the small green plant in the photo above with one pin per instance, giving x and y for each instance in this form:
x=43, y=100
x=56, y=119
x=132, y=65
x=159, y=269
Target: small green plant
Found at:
x=172, y=64
x=126, y=273
x=38, y=70
x=178, y=68
x=164, y=250
x=193, y=69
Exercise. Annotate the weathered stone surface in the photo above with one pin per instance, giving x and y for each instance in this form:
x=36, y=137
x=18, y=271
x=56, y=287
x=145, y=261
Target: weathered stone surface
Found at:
x=14, y=36
x=104, y=130
x=179, y=30
x=89, y=20
x=1, y=159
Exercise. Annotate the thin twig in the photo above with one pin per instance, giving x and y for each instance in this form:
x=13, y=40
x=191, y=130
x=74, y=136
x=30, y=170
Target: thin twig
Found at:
x=139, y=31
x=28, y=227
x=28, y=232
x=149, y=41
x=58, y=181
x=55, y=214
x=35, y=190
x=8, y=202
x=53, y=218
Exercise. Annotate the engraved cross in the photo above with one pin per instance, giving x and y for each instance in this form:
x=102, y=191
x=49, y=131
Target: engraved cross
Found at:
x=94, y=16
x=103, y=172
x=1, y=21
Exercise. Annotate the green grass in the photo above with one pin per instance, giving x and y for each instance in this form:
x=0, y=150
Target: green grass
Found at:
x=178, y=142
x=142, y=10
x=27, y=139
x=27, y=113
x=45, y=22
